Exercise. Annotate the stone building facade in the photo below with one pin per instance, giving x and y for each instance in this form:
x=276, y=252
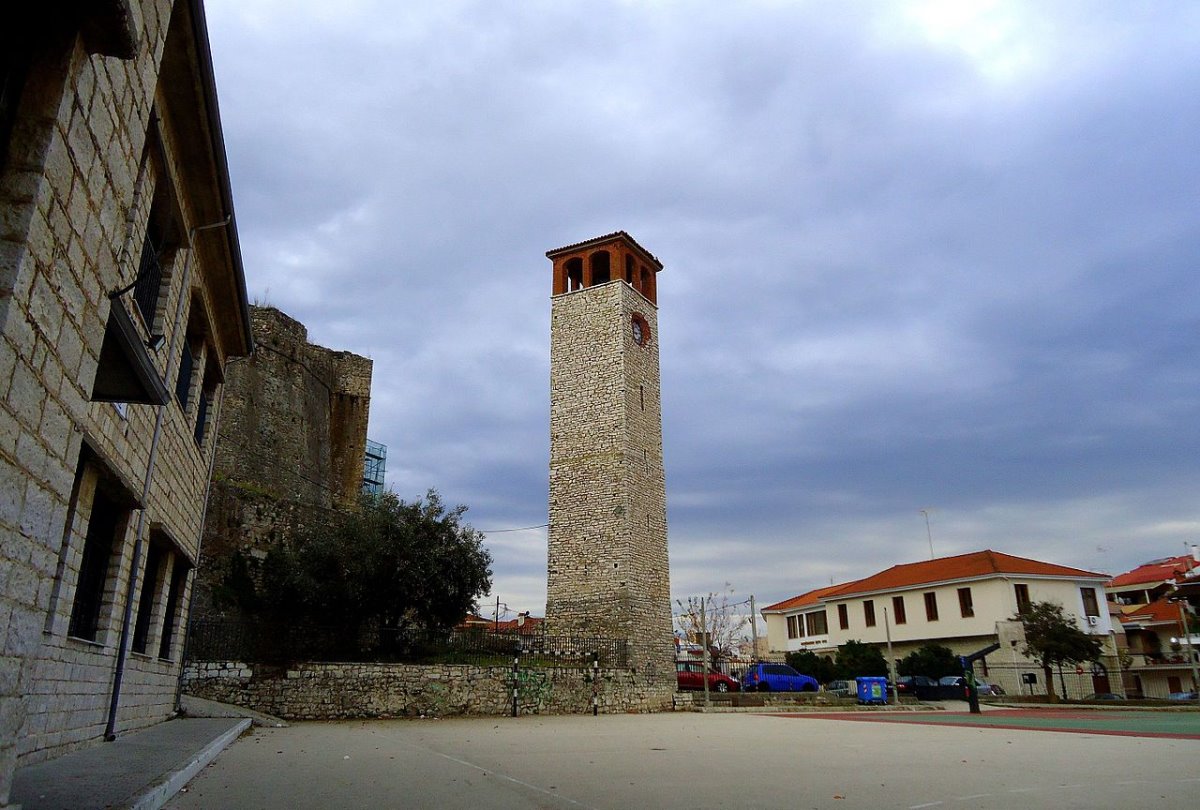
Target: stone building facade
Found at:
x=122, y=298
x=607, y=570
x=291, y=447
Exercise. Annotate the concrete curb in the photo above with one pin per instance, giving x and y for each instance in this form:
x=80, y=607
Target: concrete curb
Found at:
x=155, y=796
x=202, y=707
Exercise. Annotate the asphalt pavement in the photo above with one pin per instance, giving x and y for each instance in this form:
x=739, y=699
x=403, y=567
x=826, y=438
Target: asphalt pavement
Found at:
x=692, y=760
x=1003, y=758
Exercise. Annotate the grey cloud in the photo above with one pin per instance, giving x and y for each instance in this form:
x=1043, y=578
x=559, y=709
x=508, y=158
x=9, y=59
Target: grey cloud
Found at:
x=897, y=275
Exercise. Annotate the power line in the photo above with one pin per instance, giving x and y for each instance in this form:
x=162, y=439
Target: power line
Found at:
x=521, y=529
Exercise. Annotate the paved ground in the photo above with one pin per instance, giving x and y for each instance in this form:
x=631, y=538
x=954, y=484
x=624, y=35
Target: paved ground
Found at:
x=694, y=761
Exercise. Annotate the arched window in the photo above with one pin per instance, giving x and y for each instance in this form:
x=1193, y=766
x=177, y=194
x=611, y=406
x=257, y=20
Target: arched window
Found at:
x=628, y=269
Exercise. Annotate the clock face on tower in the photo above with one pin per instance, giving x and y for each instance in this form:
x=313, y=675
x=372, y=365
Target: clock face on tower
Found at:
x=641, y=329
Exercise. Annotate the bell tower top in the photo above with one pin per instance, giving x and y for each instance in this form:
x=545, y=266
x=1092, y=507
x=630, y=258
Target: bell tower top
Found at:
x=613, y=257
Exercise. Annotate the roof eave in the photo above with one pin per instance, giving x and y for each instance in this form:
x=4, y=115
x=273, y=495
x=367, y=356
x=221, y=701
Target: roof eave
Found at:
x=977, y=578
x=208, y=83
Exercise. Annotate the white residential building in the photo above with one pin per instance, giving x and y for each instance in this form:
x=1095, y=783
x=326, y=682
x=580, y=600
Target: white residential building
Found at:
x=966, y=602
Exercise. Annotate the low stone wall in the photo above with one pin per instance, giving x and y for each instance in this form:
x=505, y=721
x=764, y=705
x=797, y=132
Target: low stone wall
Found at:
x=318, y=691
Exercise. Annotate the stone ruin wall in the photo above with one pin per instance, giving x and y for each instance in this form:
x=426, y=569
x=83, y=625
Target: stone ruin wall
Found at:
x=290, y=450
x=294, y=417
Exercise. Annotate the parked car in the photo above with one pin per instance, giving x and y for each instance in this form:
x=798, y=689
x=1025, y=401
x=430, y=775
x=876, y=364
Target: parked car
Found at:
x=689, y=675
x=1181, y=696
x=982, y=688
x=1103, y=696
x=777, y=678
x=908, y=684
x=842, y=688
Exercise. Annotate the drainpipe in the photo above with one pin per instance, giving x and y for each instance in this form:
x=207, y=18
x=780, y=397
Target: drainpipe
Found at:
x=212, y=461
x=110, y=733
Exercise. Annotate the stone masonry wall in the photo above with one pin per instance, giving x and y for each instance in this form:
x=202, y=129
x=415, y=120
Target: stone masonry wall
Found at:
x=295, y=419
x=245, y=521
x=316, y=691
x=94, y=143
x=607, y=551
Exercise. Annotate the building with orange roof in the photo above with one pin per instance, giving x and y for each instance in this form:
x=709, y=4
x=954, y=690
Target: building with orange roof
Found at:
x=965, y=602
x=1163, y=646
x=1149, y=581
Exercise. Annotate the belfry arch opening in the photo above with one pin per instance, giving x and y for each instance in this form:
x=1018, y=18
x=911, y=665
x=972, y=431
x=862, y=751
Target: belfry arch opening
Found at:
x=574, y=274
x=614, y=257
x=601, y=268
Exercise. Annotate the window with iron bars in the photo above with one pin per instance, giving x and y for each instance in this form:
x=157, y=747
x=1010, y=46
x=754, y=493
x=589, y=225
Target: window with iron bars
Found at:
x=183, y=383
x=202, y=416
x=150, y=273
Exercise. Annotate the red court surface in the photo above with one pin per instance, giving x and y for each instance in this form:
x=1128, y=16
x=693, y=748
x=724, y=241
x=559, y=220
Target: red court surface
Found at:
x=1167, y=724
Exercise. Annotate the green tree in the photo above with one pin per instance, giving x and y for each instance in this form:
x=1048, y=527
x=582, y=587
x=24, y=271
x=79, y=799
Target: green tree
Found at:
x=1052, y=639
x=856, y=659
x=932, y=660
x=390, y=565
x=808, y=662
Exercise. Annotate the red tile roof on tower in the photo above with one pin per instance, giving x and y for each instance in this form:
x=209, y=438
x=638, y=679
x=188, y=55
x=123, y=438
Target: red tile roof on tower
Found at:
x=963, y=566
x=1154, y=572
x=608, y=237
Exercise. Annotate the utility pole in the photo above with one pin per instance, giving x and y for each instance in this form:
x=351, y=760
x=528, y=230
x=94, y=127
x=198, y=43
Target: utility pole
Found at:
x=1187, y=635
x=704, y=650
x=753, y=629
x=891, y=661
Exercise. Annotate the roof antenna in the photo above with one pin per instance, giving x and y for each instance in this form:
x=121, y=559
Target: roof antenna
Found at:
x=928, y=531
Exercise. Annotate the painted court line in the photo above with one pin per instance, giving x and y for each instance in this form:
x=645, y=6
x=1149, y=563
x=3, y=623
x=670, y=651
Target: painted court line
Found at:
x=494, y=772
x=1074, y=723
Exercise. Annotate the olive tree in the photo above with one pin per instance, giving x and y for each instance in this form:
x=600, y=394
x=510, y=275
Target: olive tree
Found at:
x=392, y=564
x=1052, y=640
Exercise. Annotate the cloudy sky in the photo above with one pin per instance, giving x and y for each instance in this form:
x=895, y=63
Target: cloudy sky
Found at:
x=935, y=256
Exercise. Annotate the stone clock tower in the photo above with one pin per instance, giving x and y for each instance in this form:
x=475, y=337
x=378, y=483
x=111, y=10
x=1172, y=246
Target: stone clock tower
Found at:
x=608, y=573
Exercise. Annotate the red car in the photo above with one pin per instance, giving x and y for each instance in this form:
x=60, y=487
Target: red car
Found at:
x=689, y=675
